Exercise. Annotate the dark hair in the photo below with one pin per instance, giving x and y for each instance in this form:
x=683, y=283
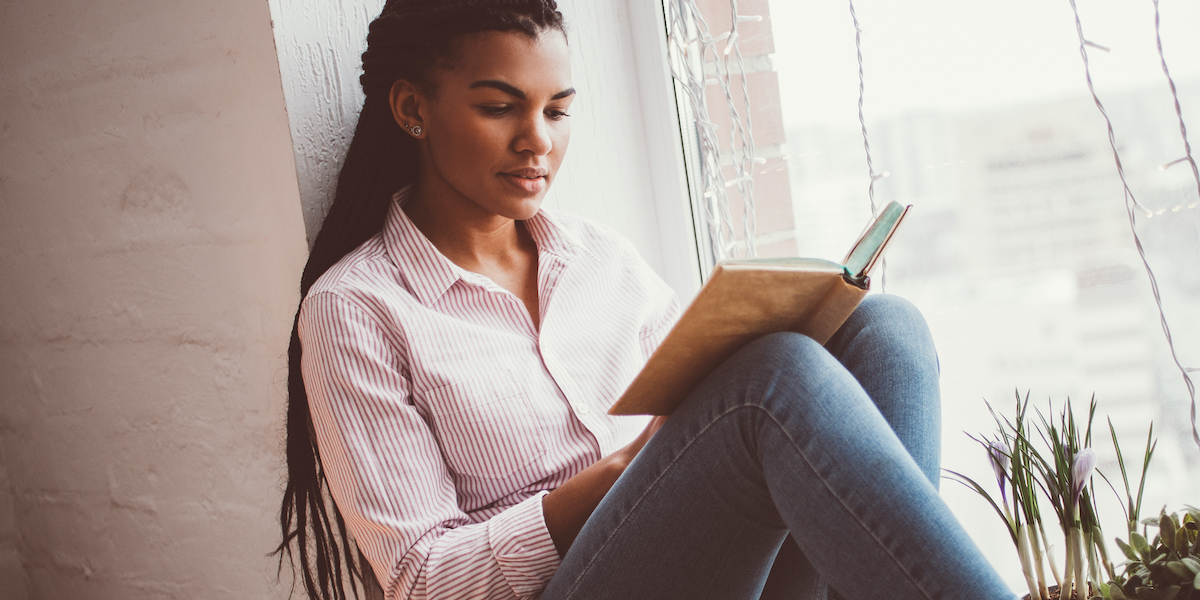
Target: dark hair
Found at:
x=406, y=41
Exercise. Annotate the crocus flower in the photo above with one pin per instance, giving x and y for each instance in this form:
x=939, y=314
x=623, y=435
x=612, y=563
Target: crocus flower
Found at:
x=998, y=454
x=1081, y=471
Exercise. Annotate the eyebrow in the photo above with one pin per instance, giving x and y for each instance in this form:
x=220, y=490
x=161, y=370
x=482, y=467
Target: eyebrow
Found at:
x=514, y=91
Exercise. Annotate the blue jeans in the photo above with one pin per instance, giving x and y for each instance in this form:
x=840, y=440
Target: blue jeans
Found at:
x=790, y=466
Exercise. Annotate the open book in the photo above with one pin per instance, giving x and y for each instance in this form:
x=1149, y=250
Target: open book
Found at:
x=747, y=299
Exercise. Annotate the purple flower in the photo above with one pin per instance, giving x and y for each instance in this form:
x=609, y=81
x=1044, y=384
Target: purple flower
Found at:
x=998, y=454
x=1081, y=471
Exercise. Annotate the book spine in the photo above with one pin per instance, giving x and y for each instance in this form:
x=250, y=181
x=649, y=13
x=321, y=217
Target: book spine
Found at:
x=837, y=305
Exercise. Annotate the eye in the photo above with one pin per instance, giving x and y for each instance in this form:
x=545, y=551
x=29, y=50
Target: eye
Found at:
x=557, y=115
x=495, y=111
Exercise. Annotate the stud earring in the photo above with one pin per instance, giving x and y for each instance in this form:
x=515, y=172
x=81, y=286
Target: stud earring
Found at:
x=415, y=130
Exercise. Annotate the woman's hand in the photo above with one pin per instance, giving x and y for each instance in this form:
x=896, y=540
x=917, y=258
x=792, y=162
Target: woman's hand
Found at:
x=568, y=507
x=632, y=449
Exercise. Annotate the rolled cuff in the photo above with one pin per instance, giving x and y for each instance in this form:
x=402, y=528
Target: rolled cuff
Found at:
x=522, y=547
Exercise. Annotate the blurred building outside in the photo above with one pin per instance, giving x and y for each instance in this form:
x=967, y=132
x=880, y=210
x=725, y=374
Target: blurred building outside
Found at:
x=1019, y=252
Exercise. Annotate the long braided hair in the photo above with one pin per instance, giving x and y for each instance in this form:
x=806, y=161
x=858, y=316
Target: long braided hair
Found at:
x=407, y=41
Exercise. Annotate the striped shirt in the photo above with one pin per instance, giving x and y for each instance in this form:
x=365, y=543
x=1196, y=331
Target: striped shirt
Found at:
x=443, y=415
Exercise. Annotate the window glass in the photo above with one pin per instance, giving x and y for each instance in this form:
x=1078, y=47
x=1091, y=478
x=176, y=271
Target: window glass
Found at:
x=1018, y=249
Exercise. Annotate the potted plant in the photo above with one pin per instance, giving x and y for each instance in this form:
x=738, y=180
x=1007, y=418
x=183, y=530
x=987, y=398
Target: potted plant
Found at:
x=1051, y=460
x=1165, y=568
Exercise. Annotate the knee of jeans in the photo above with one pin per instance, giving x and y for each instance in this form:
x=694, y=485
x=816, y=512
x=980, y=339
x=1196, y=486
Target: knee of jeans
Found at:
x=895, y=317
x=778, y=349
x=891, y=308
x=783, y=355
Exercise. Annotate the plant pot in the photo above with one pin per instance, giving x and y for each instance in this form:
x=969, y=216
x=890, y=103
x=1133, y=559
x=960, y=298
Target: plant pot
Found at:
x=1054, y=595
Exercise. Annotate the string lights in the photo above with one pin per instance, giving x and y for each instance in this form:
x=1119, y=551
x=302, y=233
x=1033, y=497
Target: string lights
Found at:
x=1131, y=203
x=696, y=64
x=1187, y=147
x=866, y=142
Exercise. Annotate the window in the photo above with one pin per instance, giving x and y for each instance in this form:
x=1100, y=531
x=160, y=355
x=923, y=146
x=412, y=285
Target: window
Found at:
x=1018, y=249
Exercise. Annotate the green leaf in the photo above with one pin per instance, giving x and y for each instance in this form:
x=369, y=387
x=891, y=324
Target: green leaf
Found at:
x=971, y=484
x=1166, y=532
x=1131, y=586
x=1195, y=513
x=1181, y=541
x=1113, y=592
x=1192, y=564
x=1129, y=553
x=1179, y=570
x=1139, y=543
x=1196, y=582
x=1146, y=593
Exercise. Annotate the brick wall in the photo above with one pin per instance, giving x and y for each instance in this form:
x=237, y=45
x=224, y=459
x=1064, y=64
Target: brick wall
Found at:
x=774, y=223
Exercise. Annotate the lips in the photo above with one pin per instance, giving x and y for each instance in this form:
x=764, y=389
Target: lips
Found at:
x=527, y=179
x=529, y=172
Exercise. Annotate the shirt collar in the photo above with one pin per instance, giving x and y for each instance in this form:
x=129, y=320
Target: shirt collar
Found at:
x=429, y=273
x=551, y=237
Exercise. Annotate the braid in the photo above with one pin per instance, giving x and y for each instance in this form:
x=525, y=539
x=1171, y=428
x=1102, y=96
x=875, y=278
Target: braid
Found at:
x=411, y=36
x=406, y=41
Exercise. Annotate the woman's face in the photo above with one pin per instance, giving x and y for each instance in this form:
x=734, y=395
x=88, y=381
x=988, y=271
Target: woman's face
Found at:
x=495, y=124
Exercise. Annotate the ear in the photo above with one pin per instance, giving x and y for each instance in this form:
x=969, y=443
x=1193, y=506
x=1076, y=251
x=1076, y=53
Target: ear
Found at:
x=407, y=104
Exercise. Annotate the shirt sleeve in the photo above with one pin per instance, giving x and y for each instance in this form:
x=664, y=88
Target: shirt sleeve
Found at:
x=659, y=326
x=663, y=303
x=389, y=480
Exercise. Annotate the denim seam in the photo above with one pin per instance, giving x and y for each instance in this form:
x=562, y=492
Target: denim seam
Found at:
x=571, y=592
x=587, y=568
x=720, y=417
x=846, y=507
x=646, y=492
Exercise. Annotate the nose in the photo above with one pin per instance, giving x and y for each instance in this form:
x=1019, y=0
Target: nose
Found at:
x=534, y=136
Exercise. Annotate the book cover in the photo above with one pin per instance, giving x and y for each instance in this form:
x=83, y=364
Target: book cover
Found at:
x=747, y=299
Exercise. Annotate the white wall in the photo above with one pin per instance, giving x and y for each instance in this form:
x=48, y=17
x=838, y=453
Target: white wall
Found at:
x=150, y=249
x=606, y=175
x=320, y=44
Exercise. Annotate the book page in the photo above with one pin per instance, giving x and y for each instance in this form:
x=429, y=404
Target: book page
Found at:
x=868, y=248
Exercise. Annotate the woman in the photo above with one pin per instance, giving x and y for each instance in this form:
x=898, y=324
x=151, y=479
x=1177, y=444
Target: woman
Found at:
x=458, y=348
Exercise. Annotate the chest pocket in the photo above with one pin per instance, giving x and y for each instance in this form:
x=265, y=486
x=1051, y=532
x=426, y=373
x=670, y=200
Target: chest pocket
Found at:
x=487, y=427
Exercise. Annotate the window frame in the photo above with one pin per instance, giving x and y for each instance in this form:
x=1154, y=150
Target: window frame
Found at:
x=681, y=233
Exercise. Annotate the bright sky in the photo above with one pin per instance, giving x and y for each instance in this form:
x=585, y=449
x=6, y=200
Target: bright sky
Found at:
x=956, y=54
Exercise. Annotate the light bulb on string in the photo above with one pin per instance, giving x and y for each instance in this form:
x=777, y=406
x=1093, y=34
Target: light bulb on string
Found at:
x=1165, y=166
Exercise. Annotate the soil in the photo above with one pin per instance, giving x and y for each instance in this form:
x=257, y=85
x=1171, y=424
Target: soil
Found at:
x=1055, y=595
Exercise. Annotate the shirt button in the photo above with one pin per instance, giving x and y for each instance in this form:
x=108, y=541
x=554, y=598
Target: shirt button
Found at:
x=582, y=409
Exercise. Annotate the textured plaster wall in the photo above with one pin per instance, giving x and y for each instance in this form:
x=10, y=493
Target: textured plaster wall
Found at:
x=150, y=244
x=606, y=174
x=12, y=577
x=320, y=43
